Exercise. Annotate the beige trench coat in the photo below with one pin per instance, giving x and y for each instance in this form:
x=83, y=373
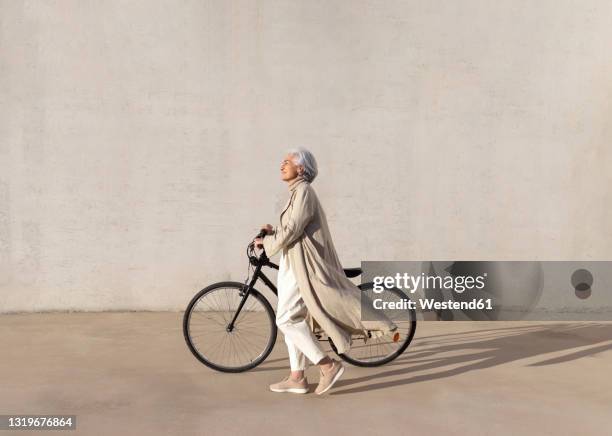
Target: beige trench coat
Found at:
x=333, y=301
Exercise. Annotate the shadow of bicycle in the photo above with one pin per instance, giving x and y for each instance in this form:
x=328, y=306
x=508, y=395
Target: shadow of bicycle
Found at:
x=480, y=349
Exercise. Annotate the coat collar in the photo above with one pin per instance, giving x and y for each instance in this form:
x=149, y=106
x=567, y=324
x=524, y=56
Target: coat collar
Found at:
x=299, y=180
x=287, y=204
x=296, y=182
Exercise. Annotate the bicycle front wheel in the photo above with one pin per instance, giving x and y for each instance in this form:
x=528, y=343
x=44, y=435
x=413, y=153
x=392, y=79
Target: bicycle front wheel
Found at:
x=370, y=352
x=212, y=342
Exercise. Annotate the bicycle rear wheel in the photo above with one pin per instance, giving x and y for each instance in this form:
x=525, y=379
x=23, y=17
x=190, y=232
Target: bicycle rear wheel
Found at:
x=205, y=327
x=382, y=350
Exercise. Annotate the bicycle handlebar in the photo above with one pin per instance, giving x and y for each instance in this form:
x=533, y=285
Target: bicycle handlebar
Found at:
x=251, y=247
x=261, y=234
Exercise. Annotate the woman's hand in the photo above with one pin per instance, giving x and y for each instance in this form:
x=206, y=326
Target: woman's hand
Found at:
x=258, y=242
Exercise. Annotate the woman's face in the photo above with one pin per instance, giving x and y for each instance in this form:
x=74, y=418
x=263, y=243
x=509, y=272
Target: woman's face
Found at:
x=289, y=170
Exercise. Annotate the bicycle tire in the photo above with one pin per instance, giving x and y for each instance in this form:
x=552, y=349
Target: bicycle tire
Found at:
x=408, y=339
x=225, y=368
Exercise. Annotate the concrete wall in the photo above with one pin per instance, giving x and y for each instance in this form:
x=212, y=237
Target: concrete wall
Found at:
x=140, y=140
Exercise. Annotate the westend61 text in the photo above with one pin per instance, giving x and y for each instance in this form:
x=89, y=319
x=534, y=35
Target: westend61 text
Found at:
x=430, y=304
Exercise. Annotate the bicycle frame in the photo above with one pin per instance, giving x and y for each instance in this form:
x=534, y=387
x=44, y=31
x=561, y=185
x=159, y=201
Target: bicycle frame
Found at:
x=259, y=263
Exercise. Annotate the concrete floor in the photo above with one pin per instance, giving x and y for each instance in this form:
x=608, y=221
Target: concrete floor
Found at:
x=131, y=373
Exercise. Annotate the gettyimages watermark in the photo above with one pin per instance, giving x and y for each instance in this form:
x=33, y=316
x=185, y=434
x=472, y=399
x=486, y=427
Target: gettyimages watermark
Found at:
x=487, y=290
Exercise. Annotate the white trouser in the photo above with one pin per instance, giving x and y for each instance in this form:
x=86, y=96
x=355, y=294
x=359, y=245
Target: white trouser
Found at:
x=291, y=320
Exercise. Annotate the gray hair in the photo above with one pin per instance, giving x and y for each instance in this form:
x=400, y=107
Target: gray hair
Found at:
x=303, y=157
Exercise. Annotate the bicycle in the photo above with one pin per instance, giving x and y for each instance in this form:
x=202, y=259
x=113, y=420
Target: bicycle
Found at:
x=238, y=325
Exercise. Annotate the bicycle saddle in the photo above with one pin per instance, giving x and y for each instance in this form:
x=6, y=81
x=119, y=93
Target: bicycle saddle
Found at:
x=352, y=272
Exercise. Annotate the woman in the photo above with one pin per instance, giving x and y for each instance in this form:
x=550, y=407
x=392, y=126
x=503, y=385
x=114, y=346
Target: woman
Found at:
x=313, y=291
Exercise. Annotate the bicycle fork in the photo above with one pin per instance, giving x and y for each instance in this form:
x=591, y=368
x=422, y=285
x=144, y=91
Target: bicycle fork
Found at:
x=245, y=295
